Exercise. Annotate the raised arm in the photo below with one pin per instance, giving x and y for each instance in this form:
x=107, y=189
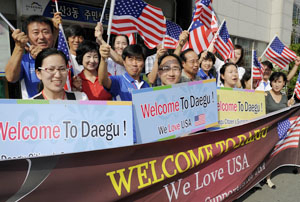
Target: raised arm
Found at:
x=102, y=71
x=294, y=69
x=99, y=39
x=153, y=74
x=56, y=20
x=183, y=38
x=13, y=66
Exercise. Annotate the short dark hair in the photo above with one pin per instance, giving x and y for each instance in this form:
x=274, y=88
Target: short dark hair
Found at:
x=133, y=50
x=223, y=69
x=246, y=77
x=38, y=19
x=172, y=55
x=42, y=55
x=182, y=54
x=268, y=64
x=45, y=53
x=209, y=56
x=240, y=62
x=74, y=30
x=84, y=47
x=276, y=75
x=115, y=37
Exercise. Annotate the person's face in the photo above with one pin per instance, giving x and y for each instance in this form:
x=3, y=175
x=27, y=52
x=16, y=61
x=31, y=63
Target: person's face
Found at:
x=169, y=71
x=230, y=76
x=54, y=73
x=191, y=65
x=74, y=41
x=134, y=65
x=206, y=65
x=90, y=61
x=120, y=44
x=40, y=35
x=267, y=73
x=278, y=84
x=237, y=55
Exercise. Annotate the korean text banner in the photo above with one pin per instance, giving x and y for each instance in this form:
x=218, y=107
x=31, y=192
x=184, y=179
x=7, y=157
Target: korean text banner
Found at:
x=30, y=128
x=212, y=166
x=236, y=106
x=166, y=112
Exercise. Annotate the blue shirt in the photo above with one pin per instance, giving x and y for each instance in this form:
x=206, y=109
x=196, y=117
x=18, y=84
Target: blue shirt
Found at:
x=203, y=76
x=122, y=85
x=29, y=80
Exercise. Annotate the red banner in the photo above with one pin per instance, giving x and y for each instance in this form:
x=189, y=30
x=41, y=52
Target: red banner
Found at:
x=211, y=166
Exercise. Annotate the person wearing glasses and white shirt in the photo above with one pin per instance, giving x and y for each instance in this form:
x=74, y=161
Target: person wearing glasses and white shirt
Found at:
x=51, y=69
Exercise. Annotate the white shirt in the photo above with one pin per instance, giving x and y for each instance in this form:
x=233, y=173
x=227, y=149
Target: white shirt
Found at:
x=264, y=86
x=114, y=68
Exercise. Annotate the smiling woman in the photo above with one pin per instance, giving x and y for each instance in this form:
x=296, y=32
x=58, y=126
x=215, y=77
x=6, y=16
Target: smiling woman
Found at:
x=51, y=69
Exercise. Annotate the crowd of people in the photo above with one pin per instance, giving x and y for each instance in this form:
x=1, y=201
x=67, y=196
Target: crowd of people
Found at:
x=104, y=72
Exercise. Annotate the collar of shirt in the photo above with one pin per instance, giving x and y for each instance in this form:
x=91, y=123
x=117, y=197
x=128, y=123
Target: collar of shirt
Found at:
x=135, y=83
x=203, y=76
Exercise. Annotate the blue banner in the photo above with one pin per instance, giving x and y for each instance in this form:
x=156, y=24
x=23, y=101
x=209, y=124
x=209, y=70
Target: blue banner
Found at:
x=170, y=111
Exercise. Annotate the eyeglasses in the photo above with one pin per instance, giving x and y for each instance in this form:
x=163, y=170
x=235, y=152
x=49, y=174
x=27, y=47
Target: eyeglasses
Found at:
x=167, y=69
x=53, y=70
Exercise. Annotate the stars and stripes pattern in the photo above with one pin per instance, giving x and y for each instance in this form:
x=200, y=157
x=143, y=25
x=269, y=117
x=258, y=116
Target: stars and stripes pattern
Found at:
x=203, y=12
x=297, y=87
x=63, y=46
x=257, y=67
x=223, y=43
x=289, y=133
x=200, y=119
x=279, y=54
x=172, y=36
x=137, y=16
x=200, y=37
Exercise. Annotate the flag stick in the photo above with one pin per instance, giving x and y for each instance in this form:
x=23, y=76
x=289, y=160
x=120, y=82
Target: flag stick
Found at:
x=10, y=26
x=268, y=46
x=216, y=35
x=163, y=41
x=190, y=26
x=252, y=69
x=103, y=11
x=56, y=5
x=111, y=13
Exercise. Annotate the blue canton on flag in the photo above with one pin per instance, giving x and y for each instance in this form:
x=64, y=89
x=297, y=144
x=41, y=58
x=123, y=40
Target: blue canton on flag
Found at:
x=62, y=44
x=277, y=46
x=173, y=30
x=195, y=25
x=224, y=33
x=283, y=128
x=205, y=2
x=132, y=7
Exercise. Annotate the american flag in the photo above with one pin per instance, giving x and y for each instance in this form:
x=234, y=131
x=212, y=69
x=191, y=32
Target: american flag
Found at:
x=63, y=46
x=257, y=67
x=289, y=133
x=199, y=119
x=223, y=43
x=297, y=87
x=278, y=53
x=203, y=12
x=131, y=38
x=137, y=16
x=172, y=35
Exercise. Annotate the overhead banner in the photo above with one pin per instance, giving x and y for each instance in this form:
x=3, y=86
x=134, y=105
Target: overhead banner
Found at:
x=170, y=111
x=70, y=11
x=236, y=106
x=213, y=166
x=31, y=128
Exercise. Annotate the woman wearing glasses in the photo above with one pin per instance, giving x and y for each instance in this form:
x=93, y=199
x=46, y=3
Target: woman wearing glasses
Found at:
x=51, y=69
